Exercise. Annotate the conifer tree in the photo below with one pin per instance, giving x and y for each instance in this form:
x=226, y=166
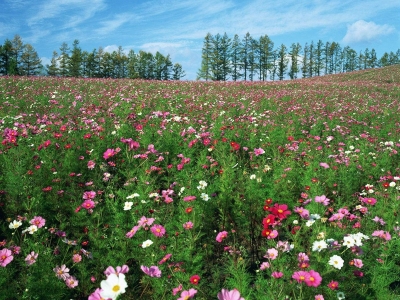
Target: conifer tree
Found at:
x=206, y=54
x=30, y=61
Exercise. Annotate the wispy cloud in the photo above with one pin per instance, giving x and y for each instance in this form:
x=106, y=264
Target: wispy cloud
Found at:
x=362, y=31
x=115, y=22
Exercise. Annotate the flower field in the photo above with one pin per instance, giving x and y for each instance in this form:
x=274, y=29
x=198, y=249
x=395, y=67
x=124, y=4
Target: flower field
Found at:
x=136, y=189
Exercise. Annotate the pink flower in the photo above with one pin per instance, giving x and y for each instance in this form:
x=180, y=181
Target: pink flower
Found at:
x=264, y=265
x=5, y=257
x=61, y=272
x=132, y=232
x=31, y=258
x=229, y=295
x=322, y=199
x=145, y=221
x=277, y=274
x=153, y=271
x=119, y=270
x=96, y=295
x=324, y=165
x=258, y=151
x=188, y=225
x=177, y=290
x=313, y=278
x=91, y=164
x=71, y=282
x=38, y=221
x=271, y=254
x=76, y=258
x=221, y=236
x=280, y=211
x=185, y=295
x=89, y=195
x=382, y=234
x=88, y=204
x=319, y=297
x=158, y=230
x=304, y=213
x=189, y=198
x=358, y=263
x=301, y=257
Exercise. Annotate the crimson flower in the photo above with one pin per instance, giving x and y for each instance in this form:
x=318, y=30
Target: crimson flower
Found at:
x=195, y=279
x=280, y=211
x=235, y=146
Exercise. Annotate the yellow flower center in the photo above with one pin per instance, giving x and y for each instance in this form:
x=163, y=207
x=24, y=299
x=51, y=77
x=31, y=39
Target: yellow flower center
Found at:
x=116, y=288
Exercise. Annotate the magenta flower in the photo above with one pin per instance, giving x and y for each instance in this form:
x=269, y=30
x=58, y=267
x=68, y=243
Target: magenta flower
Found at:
x=185, y=295
x=119, y=270
x=258, y=151
x=89, y=195
x=109, y=153
x=370, y=201
x=38, y=221
x=221, y=236
x=165, y=258
x=158, y=230
x=300, y=276
x=88, y=204
x=229, y=295
x=5, y=257
x=313, y=278
x=31, y=258
x=304, y=213
x=333, y=285
x=153, y=271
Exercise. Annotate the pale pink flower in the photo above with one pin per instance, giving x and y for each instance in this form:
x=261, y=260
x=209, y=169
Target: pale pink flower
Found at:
x=145, y=221
x=76, y=258
x=132, y=232
x=264, y=265
x=185, y=295
x=31, y=258
x=272, y=254
x=177, y=290
x=71, y=282
x=91, y=164
x=153, y=271
x=358, y=263
x=324, y=165
x=61, y=272
x=119, y=270
x=188, y=225
x=5, y=257
x=258, y=151
x=38, y=221
x=229, y=295
x=322, y=199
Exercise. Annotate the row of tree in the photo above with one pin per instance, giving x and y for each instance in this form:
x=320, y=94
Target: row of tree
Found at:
x=17, y=58
x=235, y=59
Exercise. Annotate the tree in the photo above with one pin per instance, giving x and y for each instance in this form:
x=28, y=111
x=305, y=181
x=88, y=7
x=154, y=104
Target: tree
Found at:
x=7, y=60
x=167, y=68
x=17, y=48
x=304, y=66
x=311, y=62
x=294, y=60
x=246, y=53
x=264, y=54
x=30, y=61
x=52, y=69
x=177, y=72
x=235, y=58
x=319, y=62
x=282, y=61
x=205, y=68
x=75, y=61
x=63, y=59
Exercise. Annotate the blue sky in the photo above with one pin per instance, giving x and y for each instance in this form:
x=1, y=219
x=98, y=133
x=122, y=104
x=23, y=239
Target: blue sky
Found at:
x=178, y=27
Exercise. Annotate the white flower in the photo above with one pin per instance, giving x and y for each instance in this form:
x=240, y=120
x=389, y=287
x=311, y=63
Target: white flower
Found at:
x=15, y=224
x=336, y=261
x=309, y=223
x=152, y=195
x=147, y=243
x=348, y=241
x=319, y=245
x=252, y=176
x=113, y=286
x=202, y=185
x=295, y=222
x=135, y=195
x=31, y=229
x=392, y=184
x=128, y=205
x=315, y=217
x=204, y=196
x=340, y=296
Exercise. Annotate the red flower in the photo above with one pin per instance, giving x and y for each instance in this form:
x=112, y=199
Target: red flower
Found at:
x=385, y=185
x=195, y=279
x=269, y=220
x=235, y=146
x=280, y=211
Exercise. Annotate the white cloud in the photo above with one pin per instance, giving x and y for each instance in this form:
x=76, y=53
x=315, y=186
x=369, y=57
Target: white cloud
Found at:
x=362, y=31
x=116, y=22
